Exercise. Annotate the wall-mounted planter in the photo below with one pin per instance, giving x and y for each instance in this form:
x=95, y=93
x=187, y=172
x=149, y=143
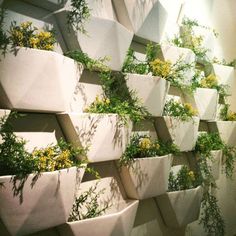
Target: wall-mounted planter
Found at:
x=146, y=177
x=153, y=96
x=117, y=223
x=205, y=101
x=180, y=208
x=40, y=81
x=103, y=134
x=45, y=205
x=181, y=133
x=141, y=16
x=105, y=37
x=51, y=5
x=226, y=130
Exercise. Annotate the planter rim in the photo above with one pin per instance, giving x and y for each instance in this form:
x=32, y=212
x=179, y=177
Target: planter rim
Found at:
x=149, y=75
x=129, y=203
x=45, y=173
x=154, y=157
x=184, y=191
x=177, y=118
x=221, y=121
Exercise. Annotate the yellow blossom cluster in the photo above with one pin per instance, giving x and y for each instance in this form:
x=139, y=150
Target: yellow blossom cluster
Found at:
x=145, y=143
x=191, y=175
x=191, y=111
x=50, y=159
x=25, y=35
x=97, y=103
x=231, y=116
x=161, y=68
x=209, y=82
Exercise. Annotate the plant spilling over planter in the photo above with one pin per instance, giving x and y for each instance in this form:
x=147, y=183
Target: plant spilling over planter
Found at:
x=145, y=166
x=118, y=99
x=95, y=207
x=174, y=73
x=181, y=205
x=27, y=35
x=184, y=111
x=188, y=39
x=37, y=188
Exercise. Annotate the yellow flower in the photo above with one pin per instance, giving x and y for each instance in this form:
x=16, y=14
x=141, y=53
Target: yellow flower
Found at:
x=190, y=109
x=44, y=35
x=107, y=101
x=48, y=47
x=34, y=42
x=157, y=146
x=161, y=68
x=231, y=116
x=191, y=175
x=26, y=24
x=145, y=143
x=210, y=81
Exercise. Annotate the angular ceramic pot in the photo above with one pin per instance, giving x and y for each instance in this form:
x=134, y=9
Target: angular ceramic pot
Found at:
x=40, y=205
x=205, y=101
x=153, y=96
x=182, y=133
x=105, y=37
x=103, y=134
x=146, y=177
x=40, y=81
x=226, y=130
x=215, y=163
x=180, y=208
x=117, y=223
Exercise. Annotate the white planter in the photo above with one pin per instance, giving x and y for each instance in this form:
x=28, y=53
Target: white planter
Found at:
x=153, y=96
x=215, y=163
x=106, y=37
x=180, y=208
x=181, y=133
x=146, y=177
x=226, y=130
x=173, y=53
x=40, y=81
x=141, y=16
x=205, y=101
x=118, y=223
x=51, y=5
x=103, y=134
x=45, y=205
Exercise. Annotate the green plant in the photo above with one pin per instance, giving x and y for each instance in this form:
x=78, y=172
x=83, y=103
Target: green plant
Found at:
x=78, y=15
x=141, y=146
x=187, y=38
x=226, y=114
x=88, y=200
x=176, y=109
x=4, y=39
x=27, y=35
x=89, y=63
x=182, y=180
x=118, y=99
x=133, y=65
x=211, y=216
x=224, y=62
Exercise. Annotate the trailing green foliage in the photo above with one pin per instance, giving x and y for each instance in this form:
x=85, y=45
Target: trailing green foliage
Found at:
x=78, y=15
x=88, y=200
x=182, y=180
x=226, y=114
x=142, y=146
x=176, y=109
x=4, y=39
x=89, y=63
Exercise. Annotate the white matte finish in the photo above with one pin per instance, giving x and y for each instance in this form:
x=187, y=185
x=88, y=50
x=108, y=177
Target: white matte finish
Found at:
x=105, y=137
x=46, y=204
x=180, y=208
x=183, y=134
x=146, y=177
x=205, y=101
x=40, y=81
x=152, y=91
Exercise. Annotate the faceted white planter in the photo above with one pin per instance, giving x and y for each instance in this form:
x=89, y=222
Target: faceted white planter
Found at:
x=117, y=223
x=215, y=163
x=173, y=53
x=146, y=177
x=180, y=208
x=37, y=80
x=141, y=16
x=181, y=133
x=226, y=130
x=103, y=134
x=46, y=204
x=51, y=5
x=153, y=96
x=205, y=101
x=106, y=37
